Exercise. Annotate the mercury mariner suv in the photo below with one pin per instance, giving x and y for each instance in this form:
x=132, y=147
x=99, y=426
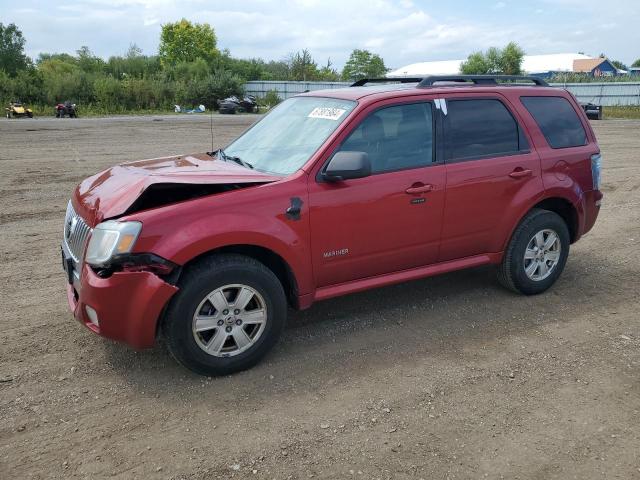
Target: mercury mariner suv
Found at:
x=332, y=192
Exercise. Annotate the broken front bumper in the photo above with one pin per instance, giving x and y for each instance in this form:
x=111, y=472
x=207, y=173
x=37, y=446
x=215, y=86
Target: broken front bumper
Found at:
x=124, y=307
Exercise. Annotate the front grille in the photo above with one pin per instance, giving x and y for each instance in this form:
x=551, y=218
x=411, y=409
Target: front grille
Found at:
x=76, y=234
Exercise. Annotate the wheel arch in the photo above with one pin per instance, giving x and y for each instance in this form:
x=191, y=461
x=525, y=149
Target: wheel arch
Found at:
x=270, y=259
x=565, y=209
x=562, y=206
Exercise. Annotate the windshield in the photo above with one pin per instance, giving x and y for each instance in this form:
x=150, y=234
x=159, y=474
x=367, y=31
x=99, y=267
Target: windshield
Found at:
x=286, y=138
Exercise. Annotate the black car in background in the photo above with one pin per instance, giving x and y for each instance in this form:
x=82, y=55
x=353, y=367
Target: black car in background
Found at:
x=234, y=104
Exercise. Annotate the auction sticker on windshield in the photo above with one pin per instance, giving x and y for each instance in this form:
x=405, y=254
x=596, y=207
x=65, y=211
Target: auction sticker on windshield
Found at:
x=327, y=113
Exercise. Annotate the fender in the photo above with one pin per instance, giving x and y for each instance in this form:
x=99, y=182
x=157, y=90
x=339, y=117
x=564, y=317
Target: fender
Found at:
x=575, y=196
x=577, y=202
x=257, y=216
x=569, y=189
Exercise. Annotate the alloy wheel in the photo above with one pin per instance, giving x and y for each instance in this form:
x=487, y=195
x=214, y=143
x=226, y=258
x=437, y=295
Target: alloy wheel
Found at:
x=229, y=320
x=542, y=254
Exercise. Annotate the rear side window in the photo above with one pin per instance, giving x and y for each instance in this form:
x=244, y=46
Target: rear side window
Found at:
x=481, y=128
x=558, y=121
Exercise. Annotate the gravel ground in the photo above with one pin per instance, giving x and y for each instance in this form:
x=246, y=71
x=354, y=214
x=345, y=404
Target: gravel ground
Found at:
x=442, y=378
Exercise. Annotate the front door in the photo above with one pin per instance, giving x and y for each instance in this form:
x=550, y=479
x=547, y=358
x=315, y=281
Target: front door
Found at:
x=389, y=221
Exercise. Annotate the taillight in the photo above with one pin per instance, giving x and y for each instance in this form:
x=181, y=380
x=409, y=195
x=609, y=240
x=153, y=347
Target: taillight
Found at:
x=596, y=165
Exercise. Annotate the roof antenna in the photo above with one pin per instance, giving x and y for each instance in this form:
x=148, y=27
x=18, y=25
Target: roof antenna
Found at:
x=211, y=128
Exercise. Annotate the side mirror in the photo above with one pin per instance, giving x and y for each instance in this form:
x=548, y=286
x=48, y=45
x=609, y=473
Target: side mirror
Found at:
x=347, y=166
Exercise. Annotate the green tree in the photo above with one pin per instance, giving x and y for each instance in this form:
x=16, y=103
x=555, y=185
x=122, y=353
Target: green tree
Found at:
x=510, y=59
x=619, y=65
x=88, y=62
x=184, y=41
x=506, y=61
x=363, y=64
x=276, y=70
x=476, y=63
x=12, y=57
x=636, y=63
x=247, y=69
x=302, y=66
x=328, y=73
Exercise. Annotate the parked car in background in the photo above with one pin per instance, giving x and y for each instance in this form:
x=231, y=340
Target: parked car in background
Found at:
x=593, y=111
x=66, y=109
x=17, y=109
x=233, y=104
x=332, y=192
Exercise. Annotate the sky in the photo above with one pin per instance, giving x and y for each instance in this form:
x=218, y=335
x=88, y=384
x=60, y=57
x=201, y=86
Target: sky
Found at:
x=401, y=31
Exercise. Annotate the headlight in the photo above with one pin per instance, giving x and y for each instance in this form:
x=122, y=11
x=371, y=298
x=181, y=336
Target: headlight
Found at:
x=596, y=165
x=109, y=239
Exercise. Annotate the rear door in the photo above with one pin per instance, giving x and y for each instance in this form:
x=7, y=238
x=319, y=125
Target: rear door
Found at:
x=491, y=173
x=389, y=221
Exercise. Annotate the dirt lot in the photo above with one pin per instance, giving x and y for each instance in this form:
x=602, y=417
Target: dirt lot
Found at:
x=448, y=377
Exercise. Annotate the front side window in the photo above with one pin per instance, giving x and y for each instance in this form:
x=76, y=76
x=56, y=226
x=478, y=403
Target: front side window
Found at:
x=481, y=128
x=285, y=139
x=558, y=121
x=395, y=138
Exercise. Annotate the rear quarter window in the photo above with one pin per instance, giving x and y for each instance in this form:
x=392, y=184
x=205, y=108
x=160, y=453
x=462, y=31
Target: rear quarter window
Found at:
x=557, y=120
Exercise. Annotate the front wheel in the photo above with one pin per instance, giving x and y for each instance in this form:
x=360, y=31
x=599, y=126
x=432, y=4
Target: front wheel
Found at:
x=537, y=253
x=229, y=312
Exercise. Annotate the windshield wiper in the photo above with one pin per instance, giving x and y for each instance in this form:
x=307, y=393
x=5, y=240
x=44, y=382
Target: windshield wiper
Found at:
x=232, y=158
x=223, y=156
x=239, y=161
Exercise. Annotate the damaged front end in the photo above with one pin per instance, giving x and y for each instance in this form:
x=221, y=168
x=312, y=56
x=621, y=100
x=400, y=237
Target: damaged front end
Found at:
x=116, y=287
x=160, y=194
x=137, y=186
x=125, y=189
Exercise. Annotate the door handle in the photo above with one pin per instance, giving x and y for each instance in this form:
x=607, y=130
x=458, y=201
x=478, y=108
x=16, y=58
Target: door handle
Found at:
x=520, y=173
x=419, y=188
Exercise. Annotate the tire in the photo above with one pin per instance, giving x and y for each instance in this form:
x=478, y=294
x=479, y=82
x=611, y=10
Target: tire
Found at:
x=206, y=279
x=543, y=266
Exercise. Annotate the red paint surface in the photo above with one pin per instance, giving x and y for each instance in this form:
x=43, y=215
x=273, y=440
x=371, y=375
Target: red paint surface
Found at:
x=128, y=305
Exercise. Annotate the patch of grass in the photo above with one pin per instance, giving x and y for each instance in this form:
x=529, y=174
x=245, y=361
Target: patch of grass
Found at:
x=622, y=112
x=97, y=111
x=93, y=110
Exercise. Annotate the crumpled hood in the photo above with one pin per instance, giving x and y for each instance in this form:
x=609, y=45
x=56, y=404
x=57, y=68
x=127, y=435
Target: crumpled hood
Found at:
x=111, y=192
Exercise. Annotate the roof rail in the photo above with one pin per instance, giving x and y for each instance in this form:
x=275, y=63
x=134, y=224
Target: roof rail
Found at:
x=430, y=80
x=481, y=79
x=364, y=81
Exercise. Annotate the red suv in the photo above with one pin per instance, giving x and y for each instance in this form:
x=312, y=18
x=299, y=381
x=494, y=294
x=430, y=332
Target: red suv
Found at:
x=332, y=192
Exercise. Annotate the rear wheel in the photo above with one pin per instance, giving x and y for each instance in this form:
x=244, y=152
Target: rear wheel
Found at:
x=229, y=312
x=537, y=253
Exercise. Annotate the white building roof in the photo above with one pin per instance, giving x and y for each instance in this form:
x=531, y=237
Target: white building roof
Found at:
x=557, y=62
